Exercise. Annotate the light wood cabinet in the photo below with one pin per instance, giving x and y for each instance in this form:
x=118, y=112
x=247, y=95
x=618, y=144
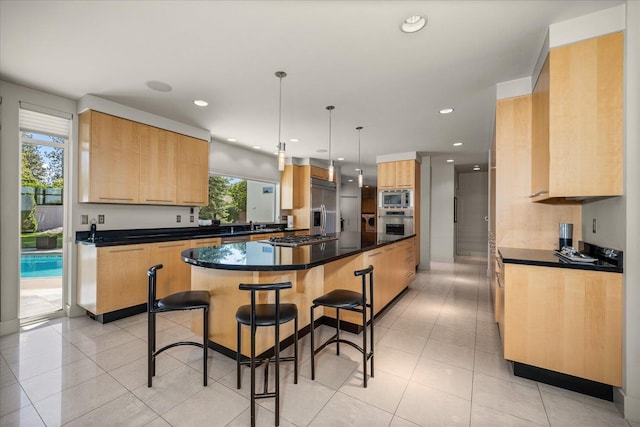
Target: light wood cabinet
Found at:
x=109, y=159
x=211, y=241
x=400, y=174
x=577, y=117
x=387, y=175
x=125, y=162
x=112, y=278
x=264, y=236
x=193, y=171
x=175, y=275
x=158, y=175
x=564, y=320
x=295, y=188
x=518, y=222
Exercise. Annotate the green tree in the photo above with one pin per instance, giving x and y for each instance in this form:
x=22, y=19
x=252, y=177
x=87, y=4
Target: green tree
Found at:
x=238, y=193
x=216, y=209
x=33, y=165
x=56, y=166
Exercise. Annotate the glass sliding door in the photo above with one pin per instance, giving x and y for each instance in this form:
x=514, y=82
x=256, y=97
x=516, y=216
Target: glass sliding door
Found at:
x=44, y=140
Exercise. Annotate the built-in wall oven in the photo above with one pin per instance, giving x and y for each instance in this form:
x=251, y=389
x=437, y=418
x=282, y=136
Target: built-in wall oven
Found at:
x=393, y=223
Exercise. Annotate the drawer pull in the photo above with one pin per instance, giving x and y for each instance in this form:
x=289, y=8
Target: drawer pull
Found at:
x=126, y=250
x=113, y=198
x=158, y=200
x=196, y=202
x=376, y=254
x=172, y=246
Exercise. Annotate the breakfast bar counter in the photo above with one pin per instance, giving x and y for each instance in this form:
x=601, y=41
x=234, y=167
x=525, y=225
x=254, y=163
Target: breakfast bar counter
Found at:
x=313, y=269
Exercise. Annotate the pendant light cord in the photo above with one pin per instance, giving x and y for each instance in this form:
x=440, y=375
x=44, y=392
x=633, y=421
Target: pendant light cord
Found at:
x=280, y=114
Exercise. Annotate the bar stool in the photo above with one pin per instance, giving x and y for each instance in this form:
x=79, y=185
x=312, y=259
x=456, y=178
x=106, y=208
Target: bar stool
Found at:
x=257, y=315
x=353, y=301
x=188, y=300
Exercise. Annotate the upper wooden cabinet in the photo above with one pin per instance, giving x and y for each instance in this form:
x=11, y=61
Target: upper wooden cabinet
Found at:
x=157, y=165
x=319, y=173
x=125, y=162
x=577, y=118
x=401, y=174
x=193, y=171
x=109, y=159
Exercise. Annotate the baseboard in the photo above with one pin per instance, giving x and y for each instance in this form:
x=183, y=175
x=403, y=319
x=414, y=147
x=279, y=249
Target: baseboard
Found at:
x=627, y=405
x=75, y=310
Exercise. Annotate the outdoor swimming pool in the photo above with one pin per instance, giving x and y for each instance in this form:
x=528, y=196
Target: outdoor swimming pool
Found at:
x=32, y=265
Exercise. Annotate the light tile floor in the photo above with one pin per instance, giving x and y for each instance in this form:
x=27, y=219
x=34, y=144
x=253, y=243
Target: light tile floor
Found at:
x=438, y=362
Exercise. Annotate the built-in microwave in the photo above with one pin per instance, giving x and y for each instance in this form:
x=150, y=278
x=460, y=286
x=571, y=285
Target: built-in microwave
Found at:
x=396, y=199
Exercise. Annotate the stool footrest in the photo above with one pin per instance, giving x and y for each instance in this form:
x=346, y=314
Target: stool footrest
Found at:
x=335, y=339
x=273, y=359
x=176, y=344
x=263, y=395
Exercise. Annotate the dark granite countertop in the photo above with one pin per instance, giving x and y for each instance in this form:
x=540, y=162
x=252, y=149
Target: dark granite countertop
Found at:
x=257, y=256
x=156, y=235
x=547, y=258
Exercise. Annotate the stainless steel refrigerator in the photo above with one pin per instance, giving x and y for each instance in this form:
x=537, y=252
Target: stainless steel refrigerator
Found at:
x=323, y=206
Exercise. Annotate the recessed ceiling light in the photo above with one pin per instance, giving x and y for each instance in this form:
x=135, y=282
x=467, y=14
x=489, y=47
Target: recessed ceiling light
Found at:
x=357, y=169
x=294, y=140
x=449, y=160
x=446, y=111
x=457, y=144
x=231, y=139
x=340, y=158
x=350, y=180
x=275, y=153
x=322, y=150
x=200, y=103
x=413, y=24
x=476, y=169
x=256, y=147
x=159, y=86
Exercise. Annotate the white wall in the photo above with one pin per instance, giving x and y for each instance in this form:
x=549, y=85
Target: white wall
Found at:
x=631, y=363
x=260, y=205
x=473, y=203
x=442, y=193
x=425, y=214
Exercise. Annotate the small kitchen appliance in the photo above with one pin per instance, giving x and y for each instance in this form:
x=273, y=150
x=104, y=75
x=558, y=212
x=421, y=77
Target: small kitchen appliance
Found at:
x=396, y=199
x=566, y=235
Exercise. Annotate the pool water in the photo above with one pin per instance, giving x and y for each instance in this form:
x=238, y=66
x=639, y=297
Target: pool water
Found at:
x=40, y=266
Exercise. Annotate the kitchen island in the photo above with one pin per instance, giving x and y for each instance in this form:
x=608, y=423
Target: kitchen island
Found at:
x=313, y=269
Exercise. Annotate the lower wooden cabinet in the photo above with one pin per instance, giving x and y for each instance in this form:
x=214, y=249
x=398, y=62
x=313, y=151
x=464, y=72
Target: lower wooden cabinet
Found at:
x=175, y=275
x=112, y=278
x=564, y=320
x=115, y=277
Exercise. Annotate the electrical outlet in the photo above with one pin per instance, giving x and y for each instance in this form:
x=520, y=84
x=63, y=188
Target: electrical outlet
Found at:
x=100, y=219
x=593, y=226
x=192, y=218
x=84, y=219
x=178, y=218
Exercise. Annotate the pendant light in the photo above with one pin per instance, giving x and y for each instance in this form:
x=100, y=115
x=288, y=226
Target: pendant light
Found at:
x=281, y=145
x=360, y=173
x=331, y=166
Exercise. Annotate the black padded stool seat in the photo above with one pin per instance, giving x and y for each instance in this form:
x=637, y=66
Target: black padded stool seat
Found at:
x=339, y=298
x=188, y=300
x=257, y=315
x=344, y=299
x=266, y=314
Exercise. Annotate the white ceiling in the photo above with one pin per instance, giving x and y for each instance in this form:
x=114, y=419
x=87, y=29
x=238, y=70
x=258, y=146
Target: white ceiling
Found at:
x=350, y=54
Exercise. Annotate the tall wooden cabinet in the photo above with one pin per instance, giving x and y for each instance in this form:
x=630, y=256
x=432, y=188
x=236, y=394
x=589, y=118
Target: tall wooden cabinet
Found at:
x=577, y=121
x=125, y=162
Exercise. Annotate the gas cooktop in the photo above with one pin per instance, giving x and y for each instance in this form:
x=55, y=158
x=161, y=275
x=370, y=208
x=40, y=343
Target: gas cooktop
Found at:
x=293, y=241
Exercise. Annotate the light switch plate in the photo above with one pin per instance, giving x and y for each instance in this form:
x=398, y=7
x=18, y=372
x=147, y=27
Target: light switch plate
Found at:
x=593, y=226
x=178, y=218
x=84, y=219
x=100, y=219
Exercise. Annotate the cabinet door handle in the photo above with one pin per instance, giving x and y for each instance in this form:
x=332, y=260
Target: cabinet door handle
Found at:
x=126, y=250
x=172, y=246
x=539, y=193
x=158, y=200
x=113, y=198
x=376, y=254
x=197, y=202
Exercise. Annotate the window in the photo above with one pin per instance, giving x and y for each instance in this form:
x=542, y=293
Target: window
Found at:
x=234, y=200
